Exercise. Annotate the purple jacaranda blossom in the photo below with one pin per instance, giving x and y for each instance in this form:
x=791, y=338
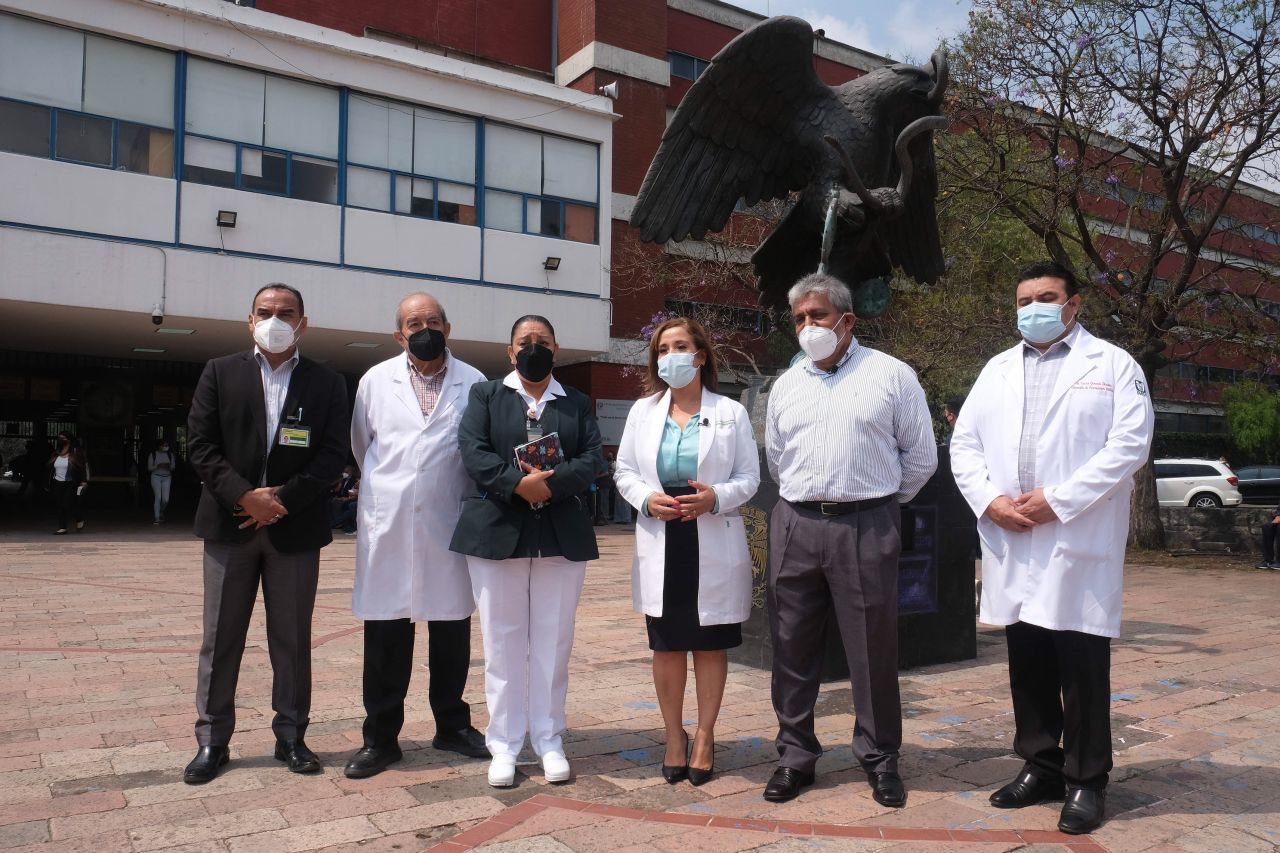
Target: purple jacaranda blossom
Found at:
x=1021, y=93
x=1112, y=180
x=654, y=322
x=1109, y=257
x=1064, y=162
x=1083, y=40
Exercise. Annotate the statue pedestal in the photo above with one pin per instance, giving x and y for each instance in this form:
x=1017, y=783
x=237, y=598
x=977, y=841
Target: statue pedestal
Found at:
x=936, y=616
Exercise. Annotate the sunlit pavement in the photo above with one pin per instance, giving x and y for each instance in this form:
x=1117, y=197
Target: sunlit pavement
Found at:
x=98, y=639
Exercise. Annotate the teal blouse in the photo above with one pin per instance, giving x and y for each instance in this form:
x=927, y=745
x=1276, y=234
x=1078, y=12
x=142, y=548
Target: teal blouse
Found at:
x=678, y=456
x=678, y=453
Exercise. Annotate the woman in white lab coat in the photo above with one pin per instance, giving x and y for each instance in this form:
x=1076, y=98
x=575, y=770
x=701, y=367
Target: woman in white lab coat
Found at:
x=688, y=461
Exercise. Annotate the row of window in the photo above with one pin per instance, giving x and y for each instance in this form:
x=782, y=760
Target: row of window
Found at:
x=1153, y=202
x=84, y=98
x=1184, y=422
x=1204, y=373
x=727, y=317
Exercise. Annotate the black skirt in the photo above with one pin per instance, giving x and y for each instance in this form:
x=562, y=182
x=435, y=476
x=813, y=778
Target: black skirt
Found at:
x=677, y=629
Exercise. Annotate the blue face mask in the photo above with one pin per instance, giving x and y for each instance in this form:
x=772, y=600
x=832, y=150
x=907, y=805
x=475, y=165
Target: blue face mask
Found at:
x=677, y=369
x=1041, y=322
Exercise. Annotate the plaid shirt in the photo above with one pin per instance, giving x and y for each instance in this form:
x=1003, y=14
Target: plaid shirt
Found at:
x=427, y=388
x=1040, y=375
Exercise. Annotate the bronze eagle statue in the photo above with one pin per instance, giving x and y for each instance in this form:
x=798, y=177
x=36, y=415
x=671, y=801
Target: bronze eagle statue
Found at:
x=759, y=124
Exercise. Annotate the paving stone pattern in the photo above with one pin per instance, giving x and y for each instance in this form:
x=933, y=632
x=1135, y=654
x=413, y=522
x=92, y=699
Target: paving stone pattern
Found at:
x=98, y=634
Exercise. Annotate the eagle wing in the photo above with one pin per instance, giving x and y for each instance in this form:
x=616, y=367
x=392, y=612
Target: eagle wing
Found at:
x=912, y=238
x=751, y=127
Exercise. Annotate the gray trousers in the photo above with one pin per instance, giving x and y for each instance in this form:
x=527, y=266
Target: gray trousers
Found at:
x=849, y=562
x=231, y=574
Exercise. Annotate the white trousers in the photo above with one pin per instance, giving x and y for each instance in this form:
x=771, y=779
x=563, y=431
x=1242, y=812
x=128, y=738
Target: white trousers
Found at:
x=527, y=608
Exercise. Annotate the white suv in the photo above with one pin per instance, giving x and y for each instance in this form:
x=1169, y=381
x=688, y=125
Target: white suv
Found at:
x=1201, y=483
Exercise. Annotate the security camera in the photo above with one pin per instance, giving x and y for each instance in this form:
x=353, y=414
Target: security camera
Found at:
x=157, y=316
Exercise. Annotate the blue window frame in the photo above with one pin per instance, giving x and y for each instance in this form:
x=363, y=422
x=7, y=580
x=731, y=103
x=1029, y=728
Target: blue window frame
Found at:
x=537, y=183
x=411, y=160
x=85, y=138
x=685, y=66
x=237, y=165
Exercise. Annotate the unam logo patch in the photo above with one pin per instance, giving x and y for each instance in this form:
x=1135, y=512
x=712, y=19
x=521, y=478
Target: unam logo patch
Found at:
x=1142, y=388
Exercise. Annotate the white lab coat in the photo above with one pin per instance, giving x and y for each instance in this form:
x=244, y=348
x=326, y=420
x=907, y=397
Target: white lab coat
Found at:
x=1066, y=575
x=411, y=489
x=729, y=462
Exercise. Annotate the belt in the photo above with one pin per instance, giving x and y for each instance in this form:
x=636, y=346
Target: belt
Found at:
x=842, y=508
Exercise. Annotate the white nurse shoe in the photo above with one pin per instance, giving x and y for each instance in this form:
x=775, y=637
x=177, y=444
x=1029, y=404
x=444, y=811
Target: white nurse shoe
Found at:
x=502, y=771
x=555, y=767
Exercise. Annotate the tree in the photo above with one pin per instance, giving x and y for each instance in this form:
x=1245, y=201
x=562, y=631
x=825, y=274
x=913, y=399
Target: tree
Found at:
x=711, y=281
x=1120, y=133
x=1253, y=419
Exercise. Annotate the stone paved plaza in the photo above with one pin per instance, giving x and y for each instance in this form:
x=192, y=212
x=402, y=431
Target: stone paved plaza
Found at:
x=98, y=638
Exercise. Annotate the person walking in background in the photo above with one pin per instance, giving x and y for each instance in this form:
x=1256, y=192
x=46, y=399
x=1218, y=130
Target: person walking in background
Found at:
x=603, y=495
x=1045, y=457
x=160, y=465
x=527, y=537
x=268, y=435
x=688, y=461
x=621, y=509
x=68, y=472
x=404, y=432
x=848, y=437
x=1270, y=554
x=343, y=503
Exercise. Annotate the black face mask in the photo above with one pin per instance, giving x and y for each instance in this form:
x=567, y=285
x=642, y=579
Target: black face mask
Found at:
x=426, y=344
x=534, y=362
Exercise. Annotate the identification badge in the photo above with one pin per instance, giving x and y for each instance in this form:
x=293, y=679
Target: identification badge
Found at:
x=299, y=436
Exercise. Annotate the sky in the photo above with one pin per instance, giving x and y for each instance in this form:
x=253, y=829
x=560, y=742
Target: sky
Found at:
x=907, y=30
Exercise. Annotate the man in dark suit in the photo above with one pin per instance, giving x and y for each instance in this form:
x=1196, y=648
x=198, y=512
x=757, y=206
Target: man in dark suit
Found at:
x=268, y=435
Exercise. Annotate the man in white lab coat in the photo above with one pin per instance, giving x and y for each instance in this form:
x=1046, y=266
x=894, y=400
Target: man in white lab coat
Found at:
x=404, y=434
x=1044, y=451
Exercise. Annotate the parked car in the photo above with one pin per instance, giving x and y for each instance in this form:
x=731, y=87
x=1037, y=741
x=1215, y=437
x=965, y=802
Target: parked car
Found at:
x=1260, y=484
x=1202, y=483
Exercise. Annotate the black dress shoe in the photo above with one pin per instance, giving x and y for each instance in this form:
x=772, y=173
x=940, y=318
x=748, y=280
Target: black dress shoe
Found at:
x=1027, y=790
x=887, y=788
x=468, y=742
x=674, y=773
x=372, y=760
x=204, y=767
x=785, y=784
x=1082, y=812
x=296, y=754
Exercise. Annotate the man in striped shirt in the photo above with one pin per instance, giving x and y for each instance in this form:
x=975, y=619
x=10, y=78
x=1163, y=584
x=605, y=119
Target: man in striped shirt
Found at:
x=848, y=438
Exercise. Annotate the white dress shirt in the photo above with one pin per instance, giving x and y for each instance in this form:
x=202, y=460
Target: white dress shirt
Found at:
x=860, y=431
x=554, y=389
x=275, y=386
x=1040, y=375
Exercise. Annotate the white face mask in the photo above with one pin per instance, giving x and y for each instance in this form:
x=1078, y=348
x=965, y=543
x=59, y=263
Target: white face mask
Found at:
x=677, y=368
x=273, y=335
x=819, y=342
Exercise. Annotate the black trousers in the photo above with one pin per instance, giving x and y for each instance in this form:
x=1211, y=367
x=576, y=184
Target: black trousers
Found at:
x=67, y=502
x=1269, y=553
x=1061, y=686
x=388, y=665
